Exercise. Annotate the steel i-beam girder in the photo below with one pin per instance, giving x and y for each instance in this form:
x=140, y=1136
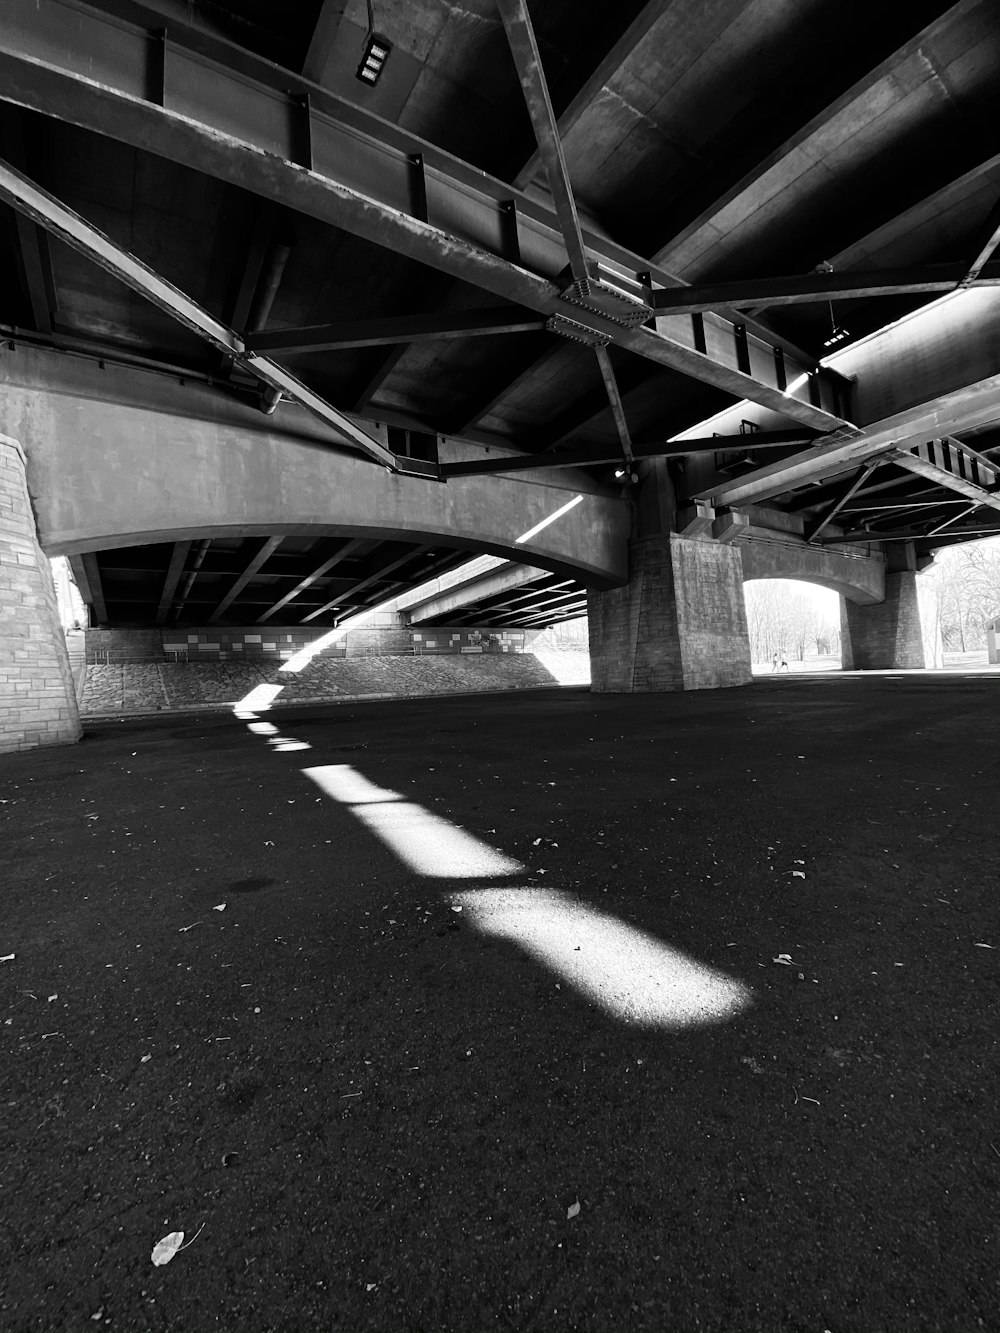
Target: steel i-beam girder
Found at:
x=68, y=226
x=218, y=109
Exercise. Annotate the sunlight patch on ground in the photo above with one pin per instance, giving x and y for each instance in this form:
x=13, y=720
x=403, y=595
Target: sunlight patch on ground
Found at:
x=631, y=975
x=427, y=843
x=260, y=699
x=566, y=668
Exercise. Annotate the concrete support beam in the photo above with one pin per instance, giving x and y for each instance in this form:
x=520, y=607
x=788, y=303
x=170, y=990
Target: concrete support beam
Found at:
x=37, y=698
x=680, y=624
x=187, y=464
x=492, y=584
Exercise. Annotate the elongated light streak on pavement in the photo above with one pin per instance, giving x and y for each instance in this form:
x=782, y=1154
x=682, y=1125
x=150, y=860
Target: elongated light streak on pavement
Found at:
x=631, y=975
x=427, y=843
x=259, y=700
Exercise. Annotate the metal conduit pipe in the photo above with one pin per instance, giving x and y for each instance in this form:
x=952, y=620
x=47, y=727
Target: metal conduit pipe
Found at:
x=272, y=271
x=199, y=556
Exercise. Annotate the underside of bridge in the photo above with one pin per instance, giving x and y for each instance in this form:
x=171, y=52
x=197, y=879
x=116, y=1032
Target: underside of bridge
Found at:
x=724, y=267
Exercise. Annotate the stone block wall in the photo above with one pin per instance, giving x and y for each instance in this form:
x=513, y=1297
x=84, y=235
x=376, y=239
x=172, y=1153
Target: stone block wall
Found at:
x=902, y=632
x=679, y=623
x=37, y=699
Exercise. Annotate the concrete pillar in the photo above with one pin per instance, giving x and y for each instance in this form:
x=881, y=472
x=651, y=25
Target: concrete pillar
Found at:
x=386, y=632
x=37, y=699
x=902, y=631
x=679, y=624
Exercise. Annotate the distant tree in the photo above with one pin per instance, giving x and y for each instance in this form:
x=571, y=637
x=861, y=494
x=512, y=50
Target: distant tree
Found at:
x=779, y=621
x=968, y=592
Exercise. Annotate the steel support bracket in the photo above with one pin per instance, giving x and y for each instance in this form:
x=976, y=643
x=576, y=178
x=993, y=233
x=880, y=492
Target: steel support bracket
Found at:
x=613, y=297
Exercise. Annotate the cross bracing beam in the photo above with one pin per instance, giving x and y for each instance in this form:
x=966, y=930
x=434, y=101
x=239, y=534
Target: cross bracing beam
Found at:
x=380, y=575
x=813, y=530
x=650, y=14
x=174, y=571
x=955, y=468
x=68, y=226
x=528, y=63
x=591, y=455
x=804, y=289
x=266, y=550
x=887, y=508
x=617, y=407
x=348, y=550
x=864, y=535
x=401, y=329
x=222, y=111
x=955, y=518
x=987, y=243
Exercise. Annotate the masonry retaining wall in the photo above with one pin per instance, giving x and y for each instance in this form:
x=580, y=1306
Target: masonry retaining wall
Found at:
x=37, y=699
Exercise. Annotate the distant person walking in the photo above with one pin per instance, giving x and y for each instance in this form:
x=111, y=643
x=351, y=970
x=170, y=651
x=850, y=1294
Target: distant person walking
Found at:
x=784, y=661
x=774, y=662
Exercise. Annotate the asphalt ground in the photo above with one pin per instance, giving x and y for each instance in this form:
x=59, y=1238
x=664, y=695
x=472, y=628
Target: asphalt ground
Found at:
x=367, y=1112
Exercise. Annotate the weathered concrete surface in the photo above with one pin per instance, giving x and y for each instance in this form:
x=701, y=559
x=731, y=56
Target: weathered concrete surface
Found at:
x=120, y=457
x=773, y=555
x=680, y=624
x=37, y=698
x=902, y=631
x=944, y=357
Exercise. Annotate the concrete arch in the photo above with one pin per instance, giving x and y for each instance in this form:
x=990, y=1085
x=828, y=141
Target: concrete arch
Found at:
x=859, y=578
x=118, y=458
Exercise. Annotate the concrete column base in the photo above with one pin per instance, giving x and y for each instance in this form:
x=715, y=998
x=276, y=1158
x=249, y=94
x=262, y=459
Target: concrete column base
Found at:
x=386, y=632
x=37, y=699
x=904, y=631
x=679, y=624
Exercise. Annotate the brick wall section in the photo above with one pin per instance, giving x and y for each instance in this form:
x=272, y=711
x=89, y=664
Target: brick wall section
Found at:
x=37, y=698
x=679, y=624
x=902, y=632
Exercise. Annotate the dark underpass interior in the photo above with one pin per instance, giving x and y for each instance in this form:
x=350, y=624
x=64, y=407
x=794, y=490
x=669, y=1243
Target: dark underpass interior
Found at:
x=711, y=1043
